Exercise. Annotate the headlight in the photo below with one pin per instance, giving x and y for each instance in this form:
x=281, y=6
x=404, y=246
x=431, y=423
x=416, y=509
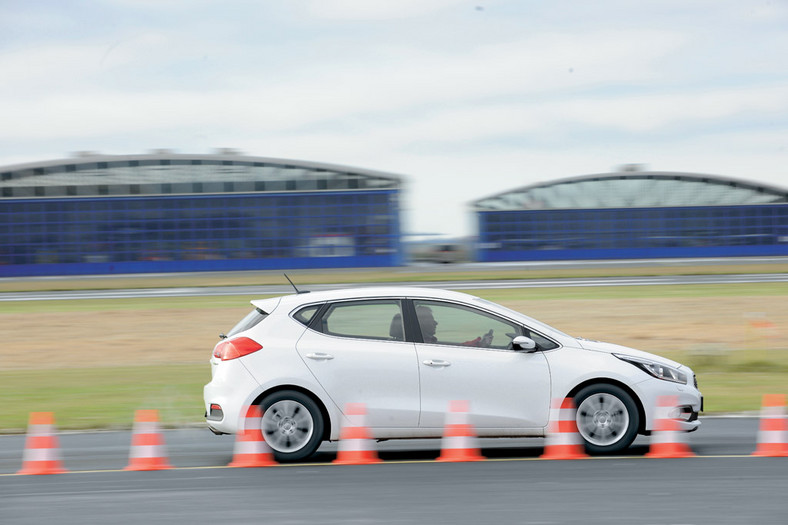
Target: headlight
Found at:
x=658, y=370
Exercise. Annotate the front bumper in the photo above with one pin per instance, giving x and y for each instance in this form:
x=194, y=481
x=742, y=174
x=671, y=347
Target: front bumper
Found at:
x=688, y=417
x=689, y=403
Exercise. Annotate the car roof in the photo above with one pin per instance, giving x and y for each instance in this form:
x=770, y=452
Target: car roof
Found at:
x=293, y=300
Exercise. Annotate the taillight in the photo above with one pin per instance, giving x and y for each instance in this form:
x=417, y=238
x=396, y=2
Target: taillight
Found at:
x=235, y=348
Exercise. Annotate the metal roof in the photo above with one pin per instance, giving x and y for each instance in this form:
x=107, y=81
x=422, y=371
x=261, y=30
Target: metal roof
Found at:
x=633, y=190
x=164, y=172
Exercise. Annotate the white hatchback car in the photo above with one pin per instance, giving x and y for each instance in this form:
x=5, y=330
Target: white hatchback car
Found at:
x=406, y=353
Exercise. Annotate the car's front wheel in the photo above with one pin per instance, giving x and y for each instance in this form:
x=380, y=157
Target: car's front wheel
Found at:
x=607, y=418
x=292, y=425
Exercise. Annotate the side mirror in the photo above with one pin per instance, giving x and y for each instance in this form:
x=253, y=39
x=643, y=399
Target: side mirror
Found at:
x=524, y=343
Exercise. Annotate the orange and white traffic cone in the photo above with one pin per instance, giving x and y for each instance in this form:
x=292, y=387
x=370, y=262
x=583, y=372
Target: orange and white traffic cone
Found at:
x=459, y=437
x=41, y=455
x=773, y=431
x=356, y=446
x=147, y=443
x=251, y=450
x=666, y=439
x=563, y=440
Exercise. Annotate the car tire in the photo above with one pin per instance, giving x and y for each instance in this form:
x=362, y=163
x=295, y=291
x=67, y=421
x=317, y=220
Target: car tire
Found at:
x=607, y=418
x=292, y=425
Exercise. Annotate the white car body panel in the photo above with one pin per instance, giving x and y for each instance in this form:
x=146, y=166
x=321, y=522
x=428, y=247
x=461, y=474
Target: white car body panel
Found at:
x=382, y=373
x=601, y=346
x=274, y=366
x=515, y=392
x=232, y=387
x=509, y=391
x=579, y=365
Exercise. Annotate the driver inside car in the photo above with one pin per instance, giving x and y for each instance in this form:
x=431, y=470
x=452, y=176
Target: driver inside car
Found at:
x=429, y=326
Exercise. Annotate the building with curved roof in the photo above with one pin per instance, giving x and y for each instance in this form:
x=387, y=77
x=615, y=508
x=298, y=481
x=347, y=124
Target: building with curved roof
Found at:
x=158, y=212
x=634, y=214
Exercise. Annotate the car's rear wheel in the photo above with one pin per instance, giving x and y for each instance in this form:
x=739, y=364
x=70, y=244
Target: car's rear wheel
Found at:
x=292, y=425
x=607, y=418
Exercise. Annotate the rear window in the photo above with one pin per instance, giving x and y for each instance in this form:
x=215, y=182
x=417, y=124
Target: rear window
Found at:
x=252, y=319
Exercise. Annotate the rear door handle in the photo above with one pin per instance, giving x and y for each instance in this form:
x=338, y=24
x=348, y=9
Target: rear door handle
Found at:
x=320, y=356
x=436, y=362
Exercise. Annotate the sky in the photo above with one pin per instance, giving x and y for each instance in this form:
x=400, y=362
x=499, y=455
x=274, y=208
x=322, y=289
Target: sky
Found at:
x=462, y=99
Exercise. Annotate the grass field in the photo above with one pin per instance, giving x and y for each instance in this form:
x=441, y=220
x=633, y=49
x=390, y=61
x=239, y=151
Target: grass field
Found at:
x=104, y=397
x=93, y=362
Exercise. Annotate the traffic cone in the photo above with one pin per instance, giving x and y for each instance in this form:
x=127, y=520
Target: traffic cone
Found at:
x=773, y=431
x=251, y=449
x=41, y=455
x=355, y=441
x=666, y=439
x=147, y=443
x=563, y=440
x=459, y=438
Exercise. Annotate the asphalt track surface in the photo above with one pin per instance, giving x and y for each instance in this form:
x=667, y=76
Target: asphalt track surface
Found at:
x=724, y=484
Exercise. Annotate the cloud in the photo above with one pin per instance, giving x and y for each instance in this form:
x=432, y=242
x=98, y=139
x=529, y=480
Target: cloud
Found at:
x=370, y=10
x=431, y=89
x=99, y=92
x=667, y=111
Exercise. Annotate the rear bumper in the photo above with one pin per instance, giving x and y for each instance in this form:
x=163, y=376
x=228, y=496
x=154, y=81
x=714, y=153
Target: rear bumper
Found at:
x=227, y=395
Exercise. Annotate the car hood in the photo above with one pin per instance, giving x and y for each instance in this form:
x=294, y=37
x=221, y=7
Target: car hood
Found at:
x=610, y=348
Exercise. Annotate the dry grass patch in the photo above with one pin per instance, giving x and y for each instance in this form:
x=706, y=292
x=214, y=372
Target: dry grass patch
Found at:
x=68, y=334
x=113, y=338
x=669, y=325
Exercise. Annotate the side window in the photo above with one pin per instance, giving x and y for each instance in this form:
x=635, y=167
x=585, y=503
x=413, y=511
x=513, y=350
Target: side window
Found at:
x=542, y=343
x=450, y=324
x=304, y=315
x=377, y=319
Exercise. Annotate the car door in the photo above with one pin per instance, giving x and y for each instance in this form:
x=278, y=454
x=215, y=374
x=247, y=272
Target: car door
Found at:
x=357, y=352
x=466, y=354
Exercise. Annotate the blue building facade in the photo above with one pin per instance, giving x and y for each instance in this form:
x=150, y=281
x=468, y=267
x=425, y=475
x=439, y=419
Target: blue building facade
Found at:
x=633, y=215
x=166, y=212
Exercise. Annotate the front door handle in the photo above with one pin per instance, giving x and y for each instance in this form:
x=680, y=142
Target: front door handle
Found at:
x=320, y=356
x=436, y=362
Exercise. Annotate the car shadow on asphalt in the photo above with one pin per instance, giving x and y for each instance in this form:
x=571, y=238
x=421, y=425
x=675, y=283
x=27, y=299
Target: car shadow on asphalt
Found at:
x=491, y=452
